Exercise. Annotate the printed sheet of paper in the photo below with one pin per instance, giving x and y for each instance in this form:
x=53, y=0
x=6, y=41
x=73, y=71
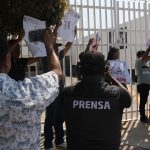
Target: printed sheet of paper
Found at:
x=37, y=48
x=119, y=70
x=69, y=21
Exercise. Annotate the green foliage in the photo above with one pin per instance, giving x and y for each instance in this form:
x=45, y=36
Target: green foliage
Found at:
x=12, y=12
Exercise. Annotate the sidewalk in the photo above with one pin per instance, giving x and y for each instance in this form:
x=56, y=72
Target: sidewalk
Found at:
x=135, y=136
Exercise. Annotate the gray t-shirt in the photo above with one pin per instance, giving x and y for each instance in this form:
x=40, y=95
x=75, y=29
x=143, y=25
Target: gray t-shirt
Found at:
x=142, y=72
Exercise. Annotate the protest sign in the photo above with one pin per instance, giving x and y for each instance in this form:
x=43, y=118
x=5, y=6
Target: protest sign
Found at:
x=69, y=22
x=37, y=48
x=119, y=70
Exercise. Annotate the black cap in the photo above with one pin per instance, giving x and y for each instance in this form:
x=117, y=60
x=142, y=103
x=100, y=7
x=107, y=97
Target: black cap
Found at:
x=92, y=63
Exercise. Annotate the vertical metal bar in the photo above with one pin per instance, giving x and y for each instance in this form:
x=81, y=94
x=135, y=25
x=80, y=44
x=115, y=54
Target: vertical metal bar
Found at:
x=116, y=22
x=135, y=36
x=70, y=51
x=100, y=18
x=76, y=41
x=123, y=44
x=139, y=7
x=88, y=18
x=145, y=15
x=106, y=21
x=112, y=23
x=94, y=17
x=135, y=46
x=82, y=24
x=129, y=22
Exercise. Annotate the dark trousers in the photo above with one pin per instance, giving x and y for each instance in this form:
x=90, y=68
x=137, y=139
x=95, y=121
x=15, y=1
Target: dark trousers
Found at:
x=143, y=90
x=54, y=119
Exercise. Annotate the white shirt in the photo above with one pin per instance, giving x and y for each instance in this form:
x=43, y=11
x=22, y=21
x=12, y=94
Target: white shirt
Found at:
x=142, y=72
x=21, y=106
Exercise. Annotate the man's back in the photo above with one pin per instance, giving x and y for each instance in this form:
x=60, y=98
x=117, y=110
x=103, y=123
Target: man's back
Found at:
x=21, y=106
x=93, y=113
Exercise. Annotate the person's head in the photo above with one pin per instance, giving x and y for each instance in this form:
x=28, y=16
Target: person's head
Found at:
x=81, y=55
x=92, y=63
x=16, y=52
x=113, y=53
x=140, y=53
x=5, y=56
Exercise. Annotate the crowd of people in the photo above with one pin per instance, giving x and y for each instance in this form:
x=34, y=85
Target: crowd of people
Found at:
x=92, y=108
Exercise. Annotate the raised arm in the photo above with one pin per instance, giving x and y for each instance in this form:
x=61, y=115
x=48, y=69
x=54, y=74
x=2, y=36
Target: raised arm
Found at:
x=32, y=60
x=89, y=44
x=52, y=59
x=16, y=42
x=58, y=24
x=146, y=56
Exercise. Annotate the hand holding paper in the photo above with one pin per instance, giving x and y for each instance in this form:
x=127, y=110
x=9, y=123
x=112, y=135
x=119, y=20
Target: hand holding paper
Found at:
x=69, y=22
x=48, y=38
x=37, y=48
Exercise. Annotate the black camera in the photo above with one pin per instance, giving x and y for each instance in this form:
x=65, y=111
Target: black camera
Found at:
x=36, y=35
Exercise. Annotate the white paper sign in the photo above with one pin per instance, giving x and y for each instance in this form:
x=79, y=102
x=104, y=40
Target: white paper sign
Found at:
x=119, y=70
x=69, y=21
x=37, y=48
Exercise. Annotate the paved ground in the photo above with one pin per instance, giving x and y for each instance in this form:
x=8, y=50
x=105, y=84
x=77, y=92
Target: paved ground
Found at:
x=135, y=136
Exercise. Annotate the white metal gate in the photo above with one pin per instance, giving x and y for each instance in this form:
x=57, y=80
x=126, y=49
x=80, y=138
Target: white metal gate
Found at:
x=121, y=23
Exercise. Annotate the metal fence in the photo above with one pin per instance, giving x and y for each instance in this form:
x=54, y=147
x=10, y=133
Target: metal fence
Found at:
x=121, y=23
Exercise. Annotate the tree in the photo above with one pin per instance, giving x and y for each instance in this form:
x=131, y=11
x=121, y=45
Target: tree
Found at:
x=12, y=12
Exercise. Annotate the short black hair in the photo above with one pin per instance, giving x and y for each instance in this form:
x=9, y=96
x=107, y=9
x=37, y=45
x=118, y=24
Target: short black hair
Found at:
x=92, y=63
x=3, y=49
x=81, y=55
x=140, y=53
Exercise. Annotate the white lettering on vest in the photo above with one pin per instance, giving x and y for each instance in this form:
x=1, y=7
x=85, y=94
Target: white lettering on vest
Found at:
x=91, y=104
x=75, y=103
x=107, y=105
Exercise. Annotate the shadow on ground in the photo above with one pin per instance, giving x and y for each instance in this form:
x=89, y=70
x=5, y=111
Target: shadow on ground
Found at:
x=135, y=136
